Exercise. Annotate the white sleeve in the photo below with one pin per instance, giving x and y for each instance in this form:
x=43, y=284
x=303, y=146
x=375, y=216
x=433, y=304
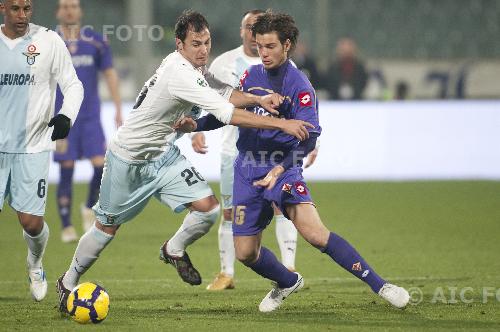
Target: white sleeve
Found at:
x=65, y=75
x=191, y=86
x=225, y=90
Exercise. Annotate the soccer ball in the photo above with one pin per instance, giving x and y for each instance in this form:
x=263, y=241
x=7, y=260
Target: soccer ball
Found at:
x=88, y=303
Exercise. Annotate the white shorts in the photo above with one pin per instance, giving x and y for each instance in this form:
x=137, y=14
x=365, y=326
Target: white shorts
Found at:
x=126, y=186
x=227, y=180
x=23, y=178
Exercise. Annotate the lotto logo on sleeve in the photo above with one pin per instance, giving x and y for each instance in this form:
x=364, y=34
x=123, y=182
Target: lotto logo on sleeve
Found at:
x=305, y=99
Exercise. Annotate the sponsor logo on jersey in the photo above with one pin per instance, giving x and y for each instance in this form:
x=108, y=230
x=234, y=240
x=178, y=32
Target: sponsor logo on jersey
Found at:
x=300, y=187
x=201, y=82
x=305, y=99
x=357, y=266
x=31, y=55
x=17, y=79
x=82, y=60
x=287, y=188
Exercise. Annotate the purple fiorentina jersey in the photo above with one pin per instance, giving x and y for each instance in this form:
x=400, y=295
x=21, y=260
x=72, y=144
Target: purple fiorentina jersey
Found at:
x=300, y=103
x=90, y=54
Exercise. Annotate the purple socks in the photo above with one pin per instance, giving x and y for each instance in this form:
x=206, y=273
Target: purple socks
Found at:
x=347, y=257
x=64, y=195
x=269, y=267
x=94, y=187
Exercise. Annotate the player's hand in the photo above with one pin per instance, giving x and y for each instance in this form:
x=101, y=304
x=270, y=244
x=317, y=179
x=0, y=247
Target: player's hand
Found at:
x=271, y=102
x=199, y=144
x=185, y=125
x=297, y=128
x=270, y=180
x=62, y=125
x=118, y=119
x=311, y=158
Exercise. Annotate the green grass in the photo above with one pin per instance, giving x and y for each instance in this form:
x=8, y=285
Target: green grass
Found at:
x=430, y=235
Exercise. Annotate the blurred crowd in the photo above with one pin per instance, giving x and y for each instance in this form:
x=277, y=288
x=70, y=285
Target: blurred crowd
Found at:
x=346, y=76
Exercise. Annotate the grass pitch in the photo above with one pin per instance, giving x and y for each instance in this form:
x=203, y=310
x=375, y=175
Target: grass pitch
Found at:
x=439, y=239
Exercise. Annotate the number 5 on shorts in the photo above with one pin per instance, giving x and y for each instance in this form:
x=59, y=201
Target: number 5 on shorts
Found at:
x=239, y=215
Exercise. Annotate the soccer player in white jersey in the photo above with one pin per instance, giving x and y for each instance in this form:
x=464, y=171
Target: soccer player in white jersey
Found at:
x=33, y=61
x=143, y=161
x=228, y=68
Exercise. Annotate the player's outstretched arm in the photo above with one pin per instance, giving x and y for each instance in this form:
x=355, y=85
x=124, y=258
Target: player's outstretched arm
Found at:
x=269, y=102
x=296, y=128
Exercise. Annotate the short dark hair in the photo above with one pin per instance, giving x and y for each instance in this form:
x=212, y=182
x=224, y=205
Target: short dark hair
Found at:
x=254, y=12
x=282, y=24
x=189, y=20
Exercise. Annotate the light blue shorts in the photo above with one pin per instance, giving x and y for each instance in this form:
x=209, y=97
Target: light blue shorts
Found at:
x=126, y=186
x=23, y=178
x=227, y=180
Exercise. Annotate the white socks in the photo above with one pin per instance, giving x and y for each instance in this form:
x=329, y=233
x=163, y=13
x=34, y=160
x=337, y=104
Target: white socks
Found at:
x=90, y=246
x=195, y=225
x=36, y=247
x=286, y=234
x=226, y=247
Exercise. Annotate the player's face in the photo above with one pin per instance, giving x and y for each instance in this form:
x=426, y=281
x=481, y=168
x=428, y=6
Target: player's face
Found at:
x=17, y=16
x=69, y=12
x=196, y=47
x=272, y=53
x=249, y=44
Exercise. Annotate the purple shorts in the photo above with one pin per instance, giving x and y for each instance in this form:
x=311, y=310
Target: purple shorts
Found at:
x=252, y=206
x=85, y=140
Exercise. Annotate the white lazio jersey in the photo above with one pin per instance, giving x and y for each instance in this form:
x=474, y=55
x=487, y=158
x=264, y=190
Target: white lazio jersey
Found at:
x=30, y=69
x=228, y=68
x=167, y=97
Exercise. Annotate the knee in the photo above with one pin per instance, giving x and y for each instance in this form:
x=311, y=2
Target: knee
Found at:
x=207, y=204
x=228, y=214
x=32, y=225
x=110, y=230
x=246, y=256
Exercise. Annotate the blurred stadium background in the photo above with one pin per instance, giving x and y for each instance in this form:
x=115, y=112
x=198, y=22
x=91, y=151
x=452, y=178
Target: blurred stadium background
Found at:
x=430, y=78
x=440, y=49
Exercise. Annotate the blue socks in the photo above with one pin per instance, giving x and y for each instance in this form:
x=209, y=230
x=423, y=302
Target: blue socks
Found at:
x=64, y=196
x=94, y=187
x=347, y=257
x=268, y=266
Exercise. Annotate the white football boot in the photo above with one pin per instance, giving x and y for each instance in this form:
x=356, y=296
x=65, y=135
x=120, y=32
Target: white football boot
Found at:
x=395, y=295
x=38, y=283
x=277, y=295
x=68, y=234
x=88, y=217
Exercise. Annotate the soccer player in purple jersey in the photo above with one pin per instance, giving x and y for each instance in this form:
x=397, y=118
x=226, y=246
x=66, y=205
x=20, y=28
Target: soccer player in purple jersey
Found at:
x=91, y=54
x=269, y=169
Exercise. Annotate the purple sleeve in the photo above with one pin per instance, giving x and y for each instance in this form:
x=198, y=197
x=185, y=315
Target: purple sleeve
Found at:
x=300, y=151
x=207, y=123
x=105, y=56
x=305, y=108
